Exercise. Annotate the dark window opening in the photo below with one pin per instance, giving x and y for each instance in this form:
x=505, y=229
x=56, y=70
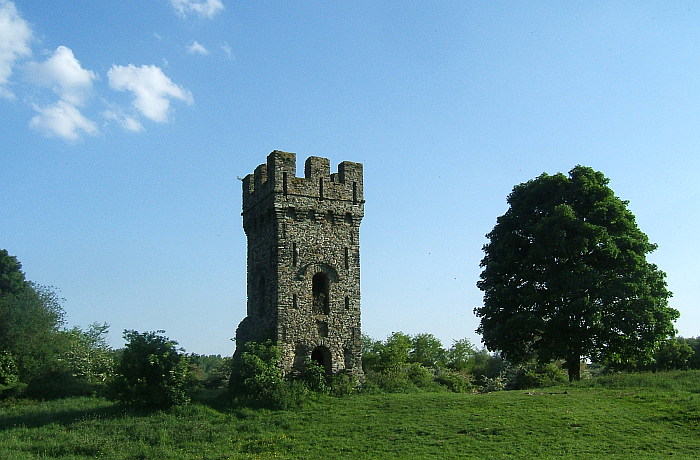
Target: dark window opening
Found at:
x=322, y=329
x=284, y=183
x=347, y=258
x=322, y=356
x=320, y=188
x=347, y=303
x=294, y=255
x=354, y=193
x=294, y=301
x=320, y=294
x=348, y=218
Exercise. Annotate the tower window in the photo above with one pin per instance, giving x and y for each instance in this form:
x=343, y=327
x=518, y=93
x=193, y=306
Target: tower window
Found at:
x=284, y=183
x=347, y=303
x=320, y=294
x=294, y=255
x=347, y=258
x=295, y=302
x=320, y=188
x=354, y=193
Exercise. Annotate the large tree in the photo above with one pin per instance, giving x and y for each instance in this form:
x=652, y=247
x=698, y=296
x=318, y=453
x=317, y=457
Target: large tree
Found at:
x=565, y=276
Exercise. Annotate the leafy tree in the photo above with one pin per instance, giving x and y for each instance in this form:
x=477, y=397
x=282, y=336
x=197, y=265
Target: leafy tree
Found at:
x=88, y=354
x=30, y=316
x=151, y=372
x=673, y=354
x=565, y=276
x=395, y=351
x=460, y=356
x=427, y=351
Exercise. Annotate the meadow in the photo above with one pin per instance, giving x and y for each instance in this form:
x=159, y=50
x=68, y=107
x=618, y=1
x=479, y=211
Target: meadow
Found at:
x=643, y=415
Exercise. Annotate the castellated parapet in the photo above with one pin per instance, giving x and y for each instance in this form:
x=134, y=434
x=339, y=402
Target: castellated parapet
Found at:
x=304, y=261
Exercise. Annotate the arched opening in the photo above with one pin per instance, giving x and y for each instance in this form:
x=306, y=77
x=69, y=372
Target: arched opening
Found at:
x=322, y=356
x=319, y=288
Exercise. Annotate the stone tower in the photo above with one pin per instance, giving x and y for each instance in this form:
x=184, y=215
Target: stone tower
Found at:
x=304, y=261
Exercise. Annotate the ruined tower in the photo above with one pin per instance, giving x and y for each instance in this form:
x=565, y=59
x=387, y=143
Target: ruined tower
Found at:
x=304, y=261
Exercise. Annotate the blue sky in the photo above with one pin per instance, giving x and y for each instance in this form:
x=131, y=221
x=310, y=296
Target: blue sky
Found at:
x=125, y=125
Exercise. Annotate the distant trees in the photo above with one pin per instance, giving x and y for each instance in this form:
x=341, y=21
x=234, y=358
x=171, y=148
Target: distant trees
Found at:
x=565, y=276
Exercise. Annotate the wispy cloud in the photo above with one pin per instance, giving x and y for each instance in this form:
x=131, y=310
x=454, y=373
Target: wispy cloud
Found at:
x=125, y=121
x=196, y=48
x=62, y=119
x=204, y=8
x=152, y=90
x=227, y=49
x=15, y=36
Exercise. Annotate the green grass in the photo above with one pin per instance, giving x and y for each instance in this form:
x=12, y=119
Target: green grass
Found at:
x=622, y=416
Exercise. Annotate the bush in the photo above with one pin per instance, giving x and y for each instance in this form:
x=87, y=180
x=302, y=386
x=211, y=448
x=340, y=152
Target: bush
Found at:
x=256, y=379
x=532, y=375
x=456, y=382
x=151, y=372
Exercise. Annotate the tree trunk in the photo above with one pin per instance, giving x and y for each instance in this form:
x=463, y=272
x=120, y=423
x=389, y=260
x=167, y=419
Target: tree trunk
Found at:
x=574, y=366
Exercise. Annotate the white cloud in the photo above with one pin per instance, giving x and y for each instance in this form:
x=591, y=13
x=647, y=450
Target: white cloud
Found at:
x=125, y=121
x=63, y=120
x=63, y=72
x=15, y=36
x=151, y=88
x=196, y=48
x=227, y=49
x=204, y=8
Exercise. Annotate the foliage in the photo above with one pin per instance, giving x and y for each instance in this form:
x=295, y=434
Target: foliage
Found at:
x=460, y=356
x=30, y=316
x=394, y=352
x=88, y=354
x=314, y=377
x=215, y=369
x=151, y=372
x=256, y=378
x=673, y=354
x=8, y=370
x=565, y=276
x=537, y=375
x=427, y=351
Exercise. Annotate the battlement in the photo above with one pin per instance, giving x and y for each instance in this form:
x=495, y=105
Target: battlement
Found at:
x=278, y=176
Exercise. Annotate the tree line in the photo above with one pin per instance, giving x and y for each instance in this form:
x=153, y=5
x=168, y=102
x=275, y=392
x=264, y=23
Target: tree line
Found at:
x=567, y=291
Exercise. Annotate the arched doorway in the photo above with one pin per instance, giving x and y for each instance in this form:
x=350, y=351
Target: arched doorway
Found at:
x=322, y=356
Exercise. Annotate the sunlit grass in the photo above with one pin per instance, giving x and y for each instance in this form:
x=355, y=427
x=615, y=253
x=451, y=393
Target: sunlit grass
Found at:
x=620, y=416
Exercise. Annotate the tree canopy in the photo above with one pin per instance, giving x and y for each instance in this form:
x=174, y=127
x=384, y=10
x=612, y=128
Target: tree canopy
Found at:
x=29, y=317
x=565, y=276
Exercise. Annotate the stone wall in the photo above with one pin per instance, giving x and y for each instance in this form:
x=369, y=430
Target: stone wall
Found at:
x=304, y=261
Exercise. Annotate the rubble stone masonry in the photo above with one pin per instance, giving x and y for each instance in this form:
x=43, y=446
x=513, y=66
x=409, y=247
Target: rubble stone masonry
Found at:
x=304, y=261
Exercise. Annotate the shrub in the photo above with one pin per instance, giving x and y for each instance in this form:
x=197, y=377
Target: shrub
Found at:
x=456, y=382
x=151, y=372
x=256, y=379
x=532, y=375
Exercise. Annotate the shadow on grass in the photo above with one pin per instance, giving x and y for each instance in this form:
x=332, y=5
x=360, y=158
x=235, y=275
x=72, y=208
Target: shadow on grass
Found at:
x=33, y=414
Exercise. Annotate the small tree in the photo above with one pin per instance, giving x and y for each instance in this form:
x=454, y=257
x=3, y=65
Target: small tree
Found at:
x=427, y=351
x=151, y=372
x=88, y=354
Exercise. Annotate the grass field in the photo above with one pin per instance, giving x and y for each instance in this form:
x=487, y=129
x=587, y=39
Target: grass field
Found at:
x=622, y=416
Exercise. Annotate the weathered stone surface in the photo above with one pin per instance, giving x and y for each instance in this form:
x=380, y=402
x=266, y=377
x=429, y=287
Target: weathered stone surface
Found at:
x=304, y=261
